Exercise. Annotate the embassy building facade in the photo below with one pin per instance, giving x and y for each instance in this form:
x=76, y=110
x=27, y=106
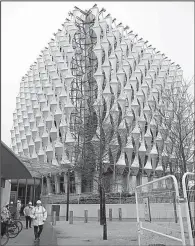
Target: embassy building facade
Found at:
x=94, y=69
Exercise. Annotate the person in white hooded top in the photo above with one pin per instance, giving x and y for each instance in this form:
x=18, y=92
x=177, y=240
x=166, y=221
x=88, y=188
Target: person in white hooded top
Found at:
x=39, y=216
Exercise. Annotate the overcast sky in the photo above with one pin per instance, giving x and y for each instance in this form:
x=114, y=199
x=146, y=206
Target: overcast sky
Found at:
x=27, y=27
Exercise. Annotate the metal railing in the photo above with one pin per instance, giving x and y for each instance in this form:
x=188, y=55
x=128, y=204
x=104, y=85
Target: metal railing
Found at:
x=146, y=192
x=189, y=195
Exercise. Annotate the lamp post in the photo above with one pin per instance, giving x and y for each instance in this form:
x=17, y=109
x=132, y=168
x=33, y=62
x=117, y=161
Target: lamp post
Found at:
x=42, y=177
x=34, y=192
x=26, y=186
x=68, y=194
x=66, y=164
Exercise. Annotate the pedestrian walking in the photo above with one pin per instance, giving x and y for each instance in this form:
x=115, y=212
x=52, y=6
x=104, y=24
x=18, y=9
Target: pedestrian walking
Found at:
x=27, y=213
x=18, y=209
x=39, y=216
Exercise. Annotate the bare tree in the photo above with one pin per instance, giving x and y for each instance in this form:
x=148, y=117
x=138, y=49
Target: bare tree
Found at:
x=93, y=157
x=177, y=121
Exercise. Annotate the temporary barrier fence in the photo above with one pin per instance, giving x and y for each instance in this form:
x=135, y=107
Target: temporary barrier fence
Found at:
x=151, y=199
x=188, y=186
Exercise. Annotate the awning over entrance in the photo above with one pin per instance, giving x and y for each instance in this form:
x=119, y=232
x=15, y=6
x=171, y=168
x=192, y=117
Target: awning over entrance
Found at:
x=11, y=166
x=40, y=169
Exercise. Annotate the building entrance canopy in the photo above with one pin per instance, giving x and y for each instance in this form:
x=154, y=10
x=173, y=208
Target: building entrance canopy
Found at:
x=17, y=167
x=11, y=166
x=39, y=169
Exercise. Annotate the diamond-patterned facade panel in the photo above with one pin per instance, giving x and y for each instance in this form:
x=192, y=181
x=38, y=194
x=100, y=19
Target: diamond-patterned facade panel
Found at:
x=93, y=63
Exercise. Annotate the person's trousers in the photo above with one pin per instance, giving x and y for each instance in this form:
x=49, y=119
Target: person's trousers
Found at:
x=3, y=228
x=38, y=230
x=28, y=221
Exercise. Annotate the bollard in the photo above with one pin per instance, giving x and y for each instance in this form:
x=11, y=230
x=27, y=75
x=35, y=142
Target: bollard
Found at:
x=79, y=198
x=98, y=214
x=120, y=213
x=86, y=216
x=110, y=214
x=54, y=218
x=71, y=217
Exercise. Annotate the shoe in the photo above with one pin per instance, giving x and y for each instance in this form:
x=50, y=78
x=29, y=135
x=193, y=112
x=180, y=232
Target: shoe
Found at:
x=30, y=227
x=26, y=228
x=38, y=239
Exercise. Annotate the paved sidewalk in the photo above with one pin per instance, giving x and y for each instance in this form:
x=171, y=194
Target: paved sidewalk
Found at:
x=119, y=234
x=26, y=237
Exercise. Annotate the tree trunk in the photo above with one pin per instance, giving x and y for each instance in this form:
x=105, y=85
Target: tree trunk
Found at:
x=184, y=161
x=104, y=215
x=101, y=205
x=174, y=199
x=100, y=173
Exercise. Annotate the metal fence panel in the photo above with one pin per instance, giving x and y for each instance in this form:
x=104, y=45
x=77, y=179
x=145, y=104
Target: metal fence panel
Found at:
x=188, y=185
x=151, y=199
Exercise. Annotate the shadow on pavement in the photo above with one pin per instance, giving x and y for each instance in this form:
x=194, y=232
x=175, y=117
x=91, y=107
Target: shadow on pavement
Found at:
x=48, y=236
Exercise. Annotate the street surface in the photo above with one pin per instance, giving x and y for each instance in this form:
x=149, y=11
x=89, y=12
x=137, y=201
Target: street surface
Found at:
x=119, y=234
x=26, y=237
